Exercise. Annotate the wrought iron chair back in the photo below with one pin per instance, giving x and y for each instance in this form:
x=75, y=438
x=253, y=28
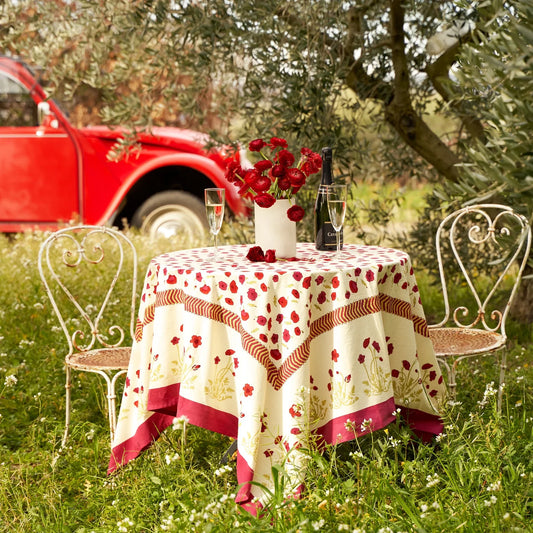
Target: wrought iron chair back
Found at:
x=82, y=267
x=490, y=246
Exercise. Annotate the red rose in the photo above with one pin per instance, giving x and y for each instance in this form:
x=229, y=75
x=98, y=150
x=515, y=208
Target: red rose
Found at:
x=296, y=176
x=255, y=253
x=295, y=213
x=248, y=389
x=270, y=256
x=312, y=161
x=285, y=158
x=261, y=184
x=264, y=200
x=233, y=168
x=251, y=175
x=256, y=145
x=278, y=141
x=277, y=171
x=263, y=165
x=284, y=183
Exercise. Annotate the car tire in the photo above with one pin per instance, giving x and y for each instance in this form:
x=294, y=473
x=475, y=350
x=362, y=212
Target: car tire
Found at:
x=171, y=213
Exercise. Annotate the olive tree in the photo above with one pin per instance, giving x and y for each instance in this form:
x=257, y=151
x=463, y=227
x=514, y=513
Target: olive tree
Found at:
x=350, y=74
x=494, y=77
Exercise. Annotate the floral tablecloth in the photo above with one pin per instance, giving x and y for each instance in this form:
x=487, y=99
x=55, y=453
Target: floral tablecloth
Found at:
x=274, y=354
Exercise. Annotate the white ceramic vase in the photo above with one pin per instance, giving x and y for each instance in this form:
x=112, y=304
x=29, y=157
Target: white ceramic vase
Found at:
x=274, y=230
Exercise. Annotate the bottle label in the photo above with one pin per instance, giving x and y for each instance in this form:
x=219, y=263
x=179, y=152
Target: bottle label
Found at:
x=326, y=237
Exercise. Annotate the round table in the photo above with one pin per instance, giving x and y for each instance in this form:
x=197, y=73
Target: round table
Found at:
x=278, y=354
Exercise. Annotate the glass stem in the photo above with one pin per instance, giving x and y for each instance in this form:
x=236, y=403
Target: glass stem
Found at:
x=338, y=235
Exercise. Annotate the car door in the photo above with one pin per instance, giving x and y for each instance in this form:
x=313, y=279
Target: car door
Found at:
x=38, y=163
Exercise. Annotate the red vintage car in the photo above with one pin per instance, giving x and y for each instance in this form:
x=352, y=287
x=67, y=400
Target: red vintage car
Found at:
x=52, y=172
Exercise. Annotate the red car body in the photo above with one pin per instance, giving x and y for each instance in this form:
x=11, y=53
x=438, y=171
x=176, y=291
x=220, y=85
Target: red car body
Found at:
x=52, y=172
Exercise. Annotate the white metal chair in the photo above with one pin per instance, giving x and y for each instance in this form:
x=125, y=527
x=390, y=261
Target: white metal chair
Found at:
x=494, y=236
x=82, y=267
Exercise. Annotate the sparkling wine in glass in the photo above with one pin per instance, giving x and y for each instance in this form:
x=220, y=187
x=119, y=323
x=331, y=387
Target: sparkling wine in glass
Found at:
x=214, y=206
x=337, y=209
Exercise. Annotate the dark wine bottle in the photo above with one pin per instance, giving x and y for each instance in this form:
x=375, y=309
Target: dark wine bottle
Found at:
x=325, y=236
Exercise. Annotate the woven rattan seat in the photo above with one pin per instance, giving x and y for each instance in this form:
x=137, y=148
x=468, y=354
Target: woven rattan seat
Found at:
x=488, y=237
x=460, y=341
x=102, y=359
x=103, y=260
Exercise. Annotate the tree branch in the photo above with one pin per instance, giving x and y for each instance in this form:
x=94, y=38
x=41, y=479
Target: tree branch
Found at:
x=438, y=73
x=399, y=112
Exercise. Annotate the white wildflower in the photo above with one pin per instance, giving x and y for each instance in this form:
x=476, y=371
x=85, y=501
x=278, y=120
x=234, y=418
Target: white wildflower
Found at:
x=171, y=458
x=432, y=480
x=357, y=454
x=167, y=523
x=394, y=442
x=366, y=424
x=493, y=487
x=491, y=501
x=318, y=524
x=489, y=392
x=222, y=470
x=180, y=423
x=123, y=524
x=10, y=381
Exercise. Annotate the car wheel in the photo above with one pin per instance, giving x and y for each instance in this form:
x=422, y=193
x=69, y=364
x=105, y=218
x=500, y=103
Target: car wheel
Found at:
x=171, y=213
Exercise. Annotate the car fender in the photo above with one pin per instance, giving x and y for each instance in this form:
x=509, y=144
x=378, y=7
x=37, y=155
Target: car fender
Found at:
x=201, y=163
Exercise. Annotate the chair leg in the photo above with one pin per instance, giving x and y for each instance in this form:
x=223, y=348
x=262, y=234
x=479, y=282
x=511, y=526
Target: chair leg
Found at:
x=452, y=384
x=111, y=408
x=450, y=373
x=503, y=368
x=67, y=406
x=112, y=403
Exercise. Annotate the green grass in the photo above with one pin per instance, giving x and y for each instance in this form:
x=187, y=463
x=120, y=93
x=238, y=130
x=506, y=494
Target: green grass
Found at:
x=477, y=477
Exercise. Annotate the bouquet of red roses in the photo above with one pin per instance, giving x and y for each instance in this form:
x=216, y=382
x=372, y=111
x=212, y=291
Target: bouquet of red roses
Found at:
x=275, y=177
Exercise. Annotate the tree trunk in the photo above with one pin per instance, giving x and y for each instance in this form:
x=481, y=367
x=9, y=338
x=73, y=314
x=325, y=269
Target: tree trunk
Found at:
x=399, y=112
x=522, y=308
x=416, y=133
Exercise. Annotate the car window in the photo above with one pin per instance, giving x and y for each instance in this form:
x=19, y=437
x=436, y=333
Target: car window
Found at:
x=17, y=107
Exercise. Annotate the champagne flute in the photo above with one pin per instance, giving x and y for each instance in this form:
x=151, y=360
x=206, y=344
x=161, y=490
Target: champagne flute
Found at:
x=214, y=207
x=337, y=210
